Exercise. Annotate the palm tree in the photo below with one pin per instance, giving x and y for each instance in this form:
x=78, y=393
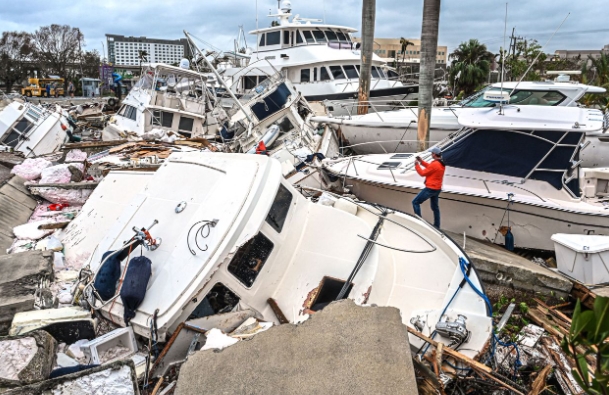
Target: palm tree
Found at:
x=429, y=48
x=472, y=63
x=368, y=16
x=404, y=43
x=601, y=69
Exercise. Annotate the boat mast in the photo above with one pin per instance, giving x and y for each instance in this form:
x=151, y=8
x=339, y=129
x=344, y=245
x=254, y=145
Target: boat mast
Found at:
x=220, y=79
x=503, y=61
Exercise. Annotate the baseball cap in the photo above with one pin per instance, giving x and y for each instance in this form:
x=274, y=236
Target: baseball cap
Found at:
x=435, y=150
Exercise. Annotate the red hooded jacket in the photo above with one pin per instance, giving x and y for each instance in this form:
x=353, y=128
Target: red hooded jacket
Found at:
x=433, y=173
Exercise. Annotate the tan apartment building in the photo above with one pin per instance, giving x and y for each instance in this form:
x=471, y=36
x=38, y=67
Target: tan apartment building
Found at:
x=390, y=49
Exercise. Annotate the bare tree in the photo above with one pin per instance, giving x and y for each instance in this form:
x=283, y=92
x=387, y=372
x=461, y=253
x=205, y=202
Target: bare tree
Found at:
x=15, y=51
x=57, y=46
x=368, y=16
x=429, y=48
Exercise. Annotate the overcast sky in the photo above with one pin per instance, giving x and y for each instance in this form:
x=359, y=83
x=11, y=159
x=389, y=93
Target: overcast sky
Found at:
x=217, y=21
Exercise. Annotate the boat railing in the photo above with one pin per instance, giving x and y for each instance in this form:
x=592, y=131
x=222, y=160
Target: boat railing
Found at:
x=426, y=156
x=432, y=246
x=385, y=105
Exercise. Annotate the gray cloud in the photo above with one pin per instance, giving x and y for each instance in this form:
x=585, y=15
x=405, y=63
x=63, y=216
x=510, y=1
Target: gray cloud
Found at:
x=217, y=22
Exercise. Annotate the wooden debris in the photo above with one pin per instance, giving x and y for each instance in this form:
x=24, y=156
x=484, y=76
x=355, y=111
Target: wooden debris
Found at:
x=540, y=381
x=579, y=291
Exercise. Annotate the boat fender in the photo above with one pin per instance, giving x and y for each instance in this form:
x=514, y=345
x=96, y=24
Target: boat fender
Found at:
x=108, y=275
x=509, y=240
x=134, y=285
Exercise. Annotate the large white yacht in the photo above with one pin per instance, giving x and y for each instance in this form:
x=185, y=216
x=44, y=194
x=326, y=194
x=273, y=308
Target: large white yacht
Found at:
x=320, y=59
x=33, y=129
x=519, y=169
x=244, y=239
x=396, y=131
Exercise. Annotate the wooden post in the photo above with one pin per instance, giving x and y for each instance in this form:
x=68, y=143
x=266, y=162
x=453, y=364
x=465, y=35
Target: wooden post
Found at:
x=429, y=48
x=368, y=16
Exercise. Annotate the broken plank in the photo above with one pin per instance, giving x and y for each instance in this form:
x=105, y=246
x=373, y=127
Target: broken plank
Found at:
x=277, y=310
x=540, y=381
x=581, y=292
x=71, y=185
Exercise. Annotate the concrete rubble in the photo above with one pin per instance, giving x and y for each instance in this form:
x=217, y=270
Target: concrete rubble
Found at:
x=20, y=275
x=344, y=349
x=26, y=359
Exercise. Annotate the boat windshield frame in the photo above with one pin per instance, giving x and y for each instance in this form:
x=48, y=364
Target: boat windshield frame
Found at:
x=568, y=174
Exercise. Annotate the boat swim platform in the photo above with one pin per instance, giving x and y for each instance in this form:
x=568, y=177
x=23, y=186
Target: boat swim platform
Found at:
x=498, y=266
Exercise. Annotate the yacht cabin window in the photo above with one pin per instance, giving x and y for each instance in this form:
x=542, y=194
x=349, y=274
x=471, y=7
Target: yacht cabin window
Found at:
x=298, y=37
x=129, y=112
x=314, y=73
x=323, y=74
x=249, y=82
x=392, y=75
x=342, y=38
x=319, y=36
x=250, y=259
x=375, y=72
x=305, y=75
x=308, y=36
x=186, y=124
x=331, y=36
x=18, y=132
x=262, y=42
x=162, y=118
x=279, y=210
x=286, y=37
x=337, y=72
x=522, y=97
x=273, y=38
x=350, y=71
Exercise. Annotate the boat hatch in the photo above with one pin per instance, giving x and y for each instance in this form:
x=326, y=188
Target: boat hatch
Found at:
x=249, y=260
x=389, y=165
x=401, y=156
x=328, y=290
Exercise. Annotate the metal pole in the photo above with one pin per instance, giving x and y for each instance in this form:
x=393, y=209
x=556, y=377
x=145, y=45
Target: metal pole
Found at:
x=220, y=79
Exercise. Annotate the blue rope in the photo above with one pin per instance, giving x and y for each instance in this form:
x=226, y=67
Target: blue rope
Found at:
x=494, y=339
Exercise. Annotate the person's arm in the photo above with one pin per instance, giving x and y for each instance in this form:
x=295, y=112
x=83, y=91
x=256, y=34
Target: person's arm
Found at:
x=424, y=172
x=423, y=163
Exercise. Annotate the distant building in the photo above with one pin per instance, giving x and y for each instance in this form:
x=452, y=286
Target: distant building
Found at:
x=390, y=50
x=581, y=53
x=124, y=51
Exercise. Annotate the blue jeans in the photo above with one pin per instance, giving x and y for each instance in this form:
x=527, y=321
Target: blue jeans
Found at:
x=434, y=196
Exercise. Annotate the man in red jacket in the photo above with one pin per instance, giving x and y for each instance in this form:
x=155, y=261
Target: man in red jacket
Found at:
x=433, y=173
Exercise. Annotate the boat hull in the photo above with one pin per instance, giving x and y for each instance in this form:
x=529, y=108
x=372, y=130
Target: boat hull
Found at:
x=480, y=217
x=387, y=99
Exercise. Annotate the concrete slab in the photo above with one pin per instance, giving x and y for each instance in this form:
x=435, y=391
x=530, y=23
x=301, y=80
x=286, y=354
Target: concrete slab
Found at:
x=16, y=207
x=19, y=275
x=344, y=349
x=26, y=359
x=496, y=265
x=117, y=378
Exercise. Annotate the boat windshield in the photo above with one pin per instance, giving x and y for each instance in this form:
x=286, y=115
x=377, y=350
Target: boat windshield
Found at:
x=520, y=97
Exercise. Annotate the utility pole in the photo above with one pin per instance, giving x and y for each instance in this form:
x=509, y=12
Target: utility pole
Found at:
x=429, y=48
x=368, y=17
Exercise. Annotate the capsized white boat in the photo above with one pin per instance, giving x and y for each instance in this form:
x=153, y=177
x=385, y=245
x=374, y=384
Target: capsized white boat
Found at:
x=396, y=131
x=231, y=233
x=32, y=129
x=518, y=170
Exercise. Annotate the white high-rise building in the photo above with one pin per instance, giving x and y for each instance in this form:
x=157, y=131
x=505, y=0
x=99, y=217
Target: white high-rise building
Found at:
x=125, y=51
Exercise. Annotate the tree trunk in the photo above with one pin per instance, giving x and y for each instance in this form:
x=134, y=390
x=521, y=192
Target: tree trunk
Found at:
x=429, y=47
x=368, y=16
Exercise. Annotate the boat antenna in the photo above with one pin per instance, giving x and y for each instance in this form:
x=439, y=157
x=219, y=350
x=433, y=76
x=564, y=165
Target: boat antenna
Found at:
x=257, y=30
x=324, y=5
x=220, y=79
x=536, y=57
x=503, y=60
